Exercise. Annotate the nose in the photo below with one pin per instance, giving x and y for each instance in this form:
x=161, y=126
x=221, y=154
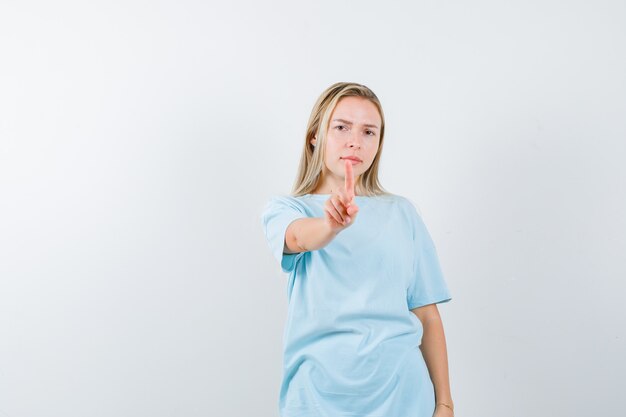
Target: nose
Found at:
x=355, y=140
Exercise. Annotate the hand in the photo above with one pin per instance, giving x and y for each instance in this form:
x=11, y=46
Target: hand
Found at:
x=340, y=209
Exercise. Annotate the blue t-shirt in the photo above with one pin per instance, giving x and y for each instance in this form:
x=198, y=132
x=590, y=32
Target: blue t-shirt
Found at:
x=351, y=345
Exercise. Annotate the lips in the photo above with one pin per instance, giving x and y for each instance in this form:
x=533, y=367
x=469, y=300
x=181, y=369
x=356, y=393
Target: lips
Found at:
x=352, y=158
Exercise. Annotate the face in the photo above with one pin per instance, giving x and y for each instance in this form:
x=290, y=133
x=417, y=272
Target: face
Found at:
x=353, y=131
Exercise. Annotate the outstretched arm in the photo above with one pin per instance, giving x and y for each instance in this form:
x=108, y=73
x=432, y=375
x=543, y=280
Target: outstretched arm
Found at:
x=308, y=234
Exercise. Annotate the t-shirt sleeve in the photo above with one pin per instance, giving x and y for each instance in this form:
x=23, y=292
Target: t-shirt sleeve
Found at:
x=278, y=213
x=428, y=285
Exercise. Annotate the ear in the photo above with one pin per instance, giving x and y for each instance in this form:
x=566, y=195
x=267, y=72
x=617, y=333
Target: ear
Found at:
x=314, y=141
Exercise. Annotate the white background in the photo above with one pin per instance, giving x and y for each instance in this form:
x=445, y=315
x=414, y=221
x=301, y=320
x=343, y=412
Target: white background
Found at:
x=139, y=141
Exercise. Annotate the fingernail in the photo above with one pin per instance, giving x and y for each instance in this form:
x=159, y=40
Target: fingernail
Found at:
x=348, y=219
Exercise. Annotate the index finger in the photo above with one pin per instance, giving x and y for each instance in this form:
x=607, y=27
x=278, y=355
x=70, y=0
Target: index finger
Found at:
x=349, y=180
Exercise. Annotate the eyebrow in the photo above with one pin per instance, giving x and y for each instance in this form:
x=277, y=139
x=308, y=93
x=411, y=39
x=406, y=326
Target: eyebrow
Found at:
x=350, y=123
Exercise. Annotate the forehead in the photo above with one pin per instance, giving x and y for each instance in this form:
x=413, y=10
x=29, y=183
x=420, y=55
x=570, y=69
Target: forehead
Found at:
x=357, y=110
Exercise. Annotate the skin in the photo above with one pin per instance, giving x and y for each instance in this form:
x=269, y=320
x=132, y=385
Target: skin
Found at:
x=435, y=355
x=312, y=233
x=354, y=130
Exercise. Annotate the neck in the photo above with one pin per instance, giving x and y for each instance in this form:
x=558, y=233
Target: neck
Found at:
x=330, y=183
x=332, y=188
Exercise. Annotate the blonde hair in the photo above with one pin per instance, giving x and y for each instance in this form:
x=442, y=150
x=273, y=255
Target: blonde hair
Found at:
x=312, y=159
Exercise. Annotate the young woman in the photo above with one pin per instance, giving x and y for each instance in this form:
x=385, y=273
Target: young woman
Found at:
x=363, y=336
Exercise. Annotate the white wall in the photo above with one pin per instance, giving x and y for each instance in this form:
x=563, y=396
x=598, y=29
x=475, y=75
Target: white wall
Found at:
x=139, y=141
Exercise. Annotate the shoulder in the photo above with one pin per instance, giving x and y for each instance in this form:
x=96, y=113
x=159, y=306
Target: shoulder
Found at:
x=405, y=203
x=410, y=213
x=282, y=199
x=284, y=202
x=298, y=200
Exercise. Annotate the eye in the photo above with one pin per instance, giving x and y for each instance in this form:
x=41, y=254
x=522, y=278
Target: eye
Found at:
x=338, y=127
x=369, y=132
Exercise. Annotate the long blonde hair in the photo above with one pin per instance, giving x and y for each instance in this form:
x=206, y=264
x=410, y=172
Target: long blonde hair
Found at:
x=312, y=159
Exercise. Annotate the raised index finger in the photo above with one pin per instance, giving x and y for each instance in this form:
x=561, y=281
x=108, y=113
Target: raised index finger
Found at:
x=349, y=180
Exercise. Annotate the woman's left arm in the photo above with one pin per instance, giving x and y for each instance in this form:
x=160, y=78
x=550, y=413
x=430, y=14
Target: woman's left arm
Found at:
x=435, y=355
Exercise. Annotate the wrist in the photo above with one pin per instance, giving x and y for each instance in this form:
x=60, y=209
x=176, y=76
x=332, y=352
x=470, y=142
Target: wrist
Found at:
x=330, y=232
x=445, y=404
